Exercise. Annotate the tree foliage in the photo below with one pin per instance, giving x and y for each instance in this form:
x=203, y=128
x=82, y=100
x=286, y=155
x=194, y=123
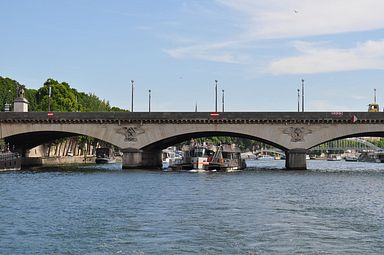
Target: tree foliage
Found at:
x=8, y=89
x=63, y=98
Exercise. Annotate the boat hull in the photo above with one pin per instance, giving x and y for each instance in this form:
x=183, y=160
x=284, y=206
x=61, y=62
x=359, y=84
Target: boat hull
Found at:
x=105, y=161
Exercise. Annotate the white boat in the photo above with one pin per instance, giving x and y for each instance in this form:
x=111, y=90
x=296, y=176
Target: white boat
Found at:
x=171, y=156
x=333, y=157
x=196, y=157
x=265, y=157
x=199, y=156
x=351, y=158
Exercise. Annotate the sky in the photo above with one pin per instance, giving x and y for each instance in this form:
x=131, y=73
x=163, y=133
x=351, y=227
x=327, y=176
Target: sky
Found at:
x=259, y=51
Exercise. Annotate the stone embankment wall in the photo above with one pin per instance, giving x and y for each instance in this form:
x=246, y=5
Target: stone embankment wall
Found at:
x=40, y=161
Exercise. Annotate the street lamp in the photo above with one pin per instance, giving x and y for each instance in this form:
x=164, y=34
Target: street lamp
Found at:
x=49, y=98
x=132, y=81
x=302, y=95
x=76, y=107
x=222, y=100
x=298, y=100
x=216, y=96
x=7, y=105
x=149, y=100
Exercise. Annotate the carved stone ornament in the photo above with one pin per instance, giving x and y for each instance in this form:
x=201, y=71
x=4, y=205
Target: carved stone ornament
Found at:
x=297, y=133
x=130, y=133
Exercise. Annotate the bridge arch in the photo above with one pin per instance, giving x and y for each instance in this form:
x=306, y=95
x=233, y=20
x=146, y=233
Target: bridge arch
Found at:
x=28, y=140
x=26, y=136
x=175, y=139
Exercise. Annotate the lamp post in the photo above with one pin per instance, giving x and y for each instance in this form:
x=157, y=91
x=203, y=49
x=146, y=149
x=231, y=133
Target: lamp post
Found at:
x=7, y=105
x=216, y=96
x=298, y=100
x=132, y=81
x=149, y=100
x=302, y=95
x=49, y=98
x=9, y=96
x=222, y=100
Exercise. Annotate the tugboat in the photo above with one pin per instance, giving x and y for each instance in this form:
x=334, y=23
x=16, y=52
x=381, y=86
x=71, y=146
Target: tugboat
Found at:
x=226, y=158
x=196, y=157
x=104, y=156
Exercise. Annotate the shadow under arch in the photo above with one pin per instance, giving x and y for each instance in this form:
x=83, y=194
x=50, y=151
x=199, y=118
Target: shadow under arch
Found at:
x=170, y=141
x=29, y=140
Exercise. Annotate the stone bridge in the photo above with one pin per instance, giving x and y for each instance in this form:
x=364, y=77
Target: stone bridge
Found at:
x=142, y=135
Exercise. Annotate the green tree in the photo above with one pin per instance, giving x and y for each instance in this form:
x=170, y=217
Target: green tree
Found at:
x=8, y=89
x=62, y=99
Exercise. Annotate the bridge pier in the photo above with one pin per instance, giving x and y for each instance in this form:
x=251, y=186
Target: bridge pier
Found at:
x=296, y=159
x=138, y=159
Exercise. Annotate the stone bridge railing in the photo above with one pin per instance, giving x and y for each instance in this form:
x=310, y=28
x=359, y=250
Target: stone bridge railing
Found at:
x=195, y=117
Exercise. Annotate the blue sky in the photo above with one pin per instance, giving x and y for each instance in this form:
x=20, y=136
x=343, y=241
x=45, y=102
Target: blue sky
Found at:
x=258, y=50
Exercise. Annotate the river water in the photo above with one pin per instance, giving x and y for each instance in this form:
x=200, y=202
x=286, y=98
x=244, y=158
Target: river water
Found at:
x=333, y=208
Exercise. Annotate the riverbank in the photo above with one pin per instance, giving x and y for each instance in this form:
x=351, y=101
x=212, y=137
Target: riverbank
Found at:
x=48, y=161
x=51, y=161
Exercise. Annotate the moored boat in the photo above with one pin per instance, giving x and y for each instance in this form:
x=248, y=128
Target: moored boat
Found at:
x=372, y=156
x=104, y=156
x=196, y=157
x=351, y=158
x=170, y=156
x=265, y=157
x=333, y=157
x=9, y=161
x=226, y=158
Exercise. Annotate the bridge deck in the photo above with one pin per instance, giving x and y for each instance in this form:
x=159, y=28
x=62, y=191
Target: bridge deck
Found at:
x=196, y=117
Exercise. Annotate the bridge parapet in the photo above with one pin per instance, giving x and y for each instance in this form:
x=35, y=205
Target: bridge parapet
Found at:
x=195, y=117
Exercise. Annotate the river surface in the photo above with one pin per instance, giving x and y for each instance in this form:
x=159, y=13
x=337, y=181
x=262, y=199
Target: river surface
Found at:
x=333, y=208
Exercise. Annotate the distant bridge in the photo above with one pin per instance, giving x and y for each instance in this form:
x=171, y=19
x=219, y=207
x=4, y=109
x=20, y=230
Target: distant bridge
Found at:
x=142, y=135
x=352, y=143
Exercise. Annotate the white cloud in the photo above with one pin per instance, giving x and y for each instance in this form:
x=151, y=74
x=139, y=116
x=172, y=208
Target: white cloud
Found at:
x=293, y=18
x=218, y=52
x=317, y=59
x=326, y=106
x=286, y=19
